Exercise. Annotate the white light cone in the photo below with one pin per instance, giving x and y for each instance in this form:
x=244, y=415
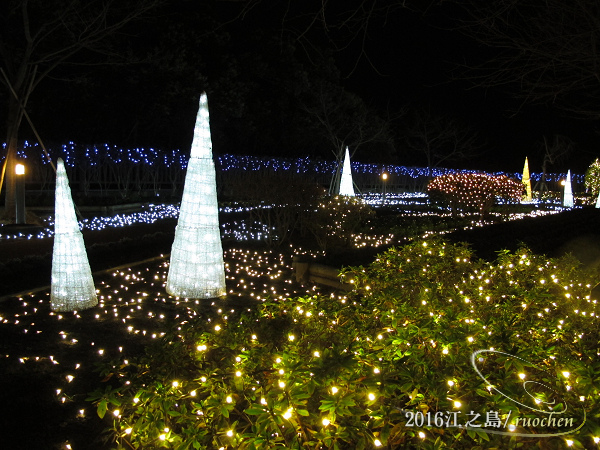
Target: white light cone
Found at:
x=72, y=286
x=568, y=197
x=598, y=201
x=196, y=269
x=346, y=184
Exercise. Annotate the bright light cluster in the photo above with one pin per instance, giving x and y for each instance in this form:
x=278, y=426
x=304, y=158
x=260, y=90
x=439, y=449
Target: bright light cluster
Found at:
x=346, y=183
x=475, y=191
x=592, y=179
x=72, y=286
x=196, y=269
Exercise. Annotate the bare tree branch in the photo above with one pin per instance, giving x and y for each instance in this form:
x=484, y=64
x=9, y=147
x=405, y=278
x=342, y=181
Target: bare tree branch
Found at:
x=545, y=51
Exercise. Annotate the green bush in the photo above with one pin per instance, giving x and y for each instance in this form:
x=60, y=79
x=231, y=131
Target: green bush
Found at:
x=592, y=180
x=347, y=372
x=337, y=220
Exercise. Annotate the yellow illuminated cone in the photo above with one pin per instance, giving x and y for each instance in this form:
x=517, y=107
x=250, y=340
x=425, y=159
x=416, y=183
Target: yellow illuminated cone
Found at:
x=527, y=182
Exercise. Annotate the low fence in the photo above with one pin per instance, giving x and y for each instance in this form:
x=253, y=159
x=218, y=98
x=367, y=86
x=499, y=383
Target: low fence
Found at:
x=310, y=272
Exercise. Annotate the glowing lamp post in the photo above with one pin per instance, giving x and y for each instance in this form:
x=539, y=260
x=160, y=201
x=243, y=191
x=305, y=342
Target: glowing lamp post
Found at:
x=20, y=203
x=384, y=177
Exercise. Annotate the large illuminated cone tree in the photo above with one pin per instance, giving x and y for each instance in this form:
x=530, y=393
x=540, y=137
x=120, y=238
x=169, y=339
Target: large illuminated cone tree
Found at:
x=568, y=195
x=346, y=184
x=72, y=286
x=527, y=182
x=196, y=269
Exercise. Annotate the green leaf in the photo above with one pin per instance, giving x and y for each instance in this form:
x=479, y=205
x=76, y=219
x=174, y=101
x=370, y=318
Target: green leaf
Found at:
x=101, y=409
x=303, y=412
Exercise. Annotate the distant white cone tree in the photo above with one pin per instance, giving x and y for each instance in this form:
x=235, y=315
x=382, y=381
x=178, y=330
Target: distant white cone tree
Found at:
x=346, y=183
x=72, y=286
x=568, y=195
x=527, y=182
x=598, y=201
x=196, y=269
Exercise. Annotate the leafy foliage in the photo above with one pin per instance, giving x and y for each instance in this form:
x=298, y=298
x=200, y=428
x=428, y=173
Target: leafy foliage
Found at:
x=336, y=221
x=592, y=179
x=347, y=372
x=477, y=192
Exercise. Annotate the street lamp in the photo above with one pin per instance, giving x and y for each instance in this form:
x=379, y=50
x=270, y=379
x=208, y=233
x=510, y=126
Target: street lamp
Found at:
x=384, y=177
x=20, y=187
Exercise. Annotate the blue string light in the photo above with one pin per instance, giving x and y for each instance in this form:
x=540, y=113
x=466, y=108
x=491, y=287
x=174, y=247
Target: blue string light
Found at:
x=86, y=156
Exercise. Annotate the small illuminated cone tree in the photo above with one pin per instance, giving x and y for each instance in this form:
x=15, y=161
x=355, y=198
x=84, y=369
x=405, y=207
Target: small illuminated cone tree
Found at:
x=72, y=286
x=346, y=183
x=196, y=269
x=568, y=195
x=598, y=201
x=527, y=182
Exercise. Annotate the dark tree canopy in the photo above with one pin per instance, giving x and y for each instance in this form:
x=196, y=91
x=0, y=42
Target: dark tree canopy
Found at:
x=543, y=51
x=37, y=37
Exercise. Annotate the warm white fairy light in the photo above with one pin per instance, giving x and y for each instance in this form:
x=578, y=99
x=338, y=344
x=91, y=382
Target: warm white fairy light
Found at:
x=72, y=286
x=256, y=273
x=196, y=269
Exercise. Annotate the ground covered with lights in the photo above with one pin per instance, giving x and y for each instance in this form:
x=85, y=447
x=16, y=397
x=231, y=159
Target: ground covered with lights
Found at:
x=278, y=363
x=46, y=355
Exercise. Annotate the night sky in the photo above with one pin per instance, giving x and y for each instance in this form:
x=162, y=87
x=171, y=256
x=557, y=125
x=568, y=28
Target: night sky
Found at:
x=258, y=67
